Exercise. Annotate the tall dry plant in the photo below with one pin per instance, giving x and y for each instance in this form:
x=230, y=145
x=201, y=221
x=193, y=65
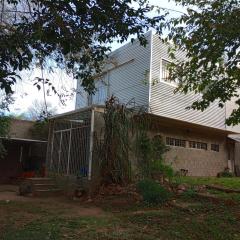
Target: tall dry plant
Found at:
x=115, y=163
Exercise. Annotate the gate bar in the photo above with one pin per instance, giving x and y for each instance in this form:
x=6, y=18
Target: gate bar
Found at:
x=59, y=152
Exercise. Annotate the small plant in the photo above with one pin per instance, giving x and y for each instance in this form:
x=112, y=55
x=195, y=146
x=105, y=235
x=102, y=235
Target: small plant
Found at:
x=225, y=173
x=189, y=193
x=152, y=192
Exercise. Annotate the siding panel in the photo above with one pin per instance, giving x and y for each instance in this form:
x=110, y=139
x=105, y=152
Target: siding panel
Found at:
x=127, y=74
x=165, y=103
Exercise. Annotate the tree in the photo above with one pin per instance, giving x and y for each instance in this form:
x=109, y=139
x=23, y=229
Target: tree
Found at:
x=40, y=110
x=5, y=101
x=69, y=34
x=209, y=33
x=5, y=122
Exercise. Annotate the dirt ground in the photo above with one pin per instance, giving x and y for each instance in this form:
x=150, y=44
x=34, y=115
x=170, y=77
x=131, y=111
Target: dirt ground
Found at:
x=9, y=193
x=113, y=218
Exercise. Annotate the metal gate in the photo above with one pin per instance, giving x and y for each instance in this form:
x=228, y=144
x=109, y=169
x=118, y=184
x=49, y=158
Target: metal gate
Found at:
x=70, y=150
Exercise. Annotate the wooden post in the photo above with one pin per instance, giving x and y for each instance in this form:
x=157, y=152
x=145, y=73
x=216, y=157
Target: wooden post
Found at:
x=91, y=146
x=69, y=149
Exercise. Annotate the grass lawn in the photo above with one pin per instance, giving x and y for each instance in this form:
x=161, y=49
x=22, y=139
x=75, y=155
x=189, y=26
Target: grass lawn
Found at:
x=233, y=182
x=56, y=219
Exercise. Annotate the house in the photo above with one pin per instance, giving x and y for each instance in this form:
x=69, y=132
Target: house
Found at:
x=199, y=140
x=25, y=154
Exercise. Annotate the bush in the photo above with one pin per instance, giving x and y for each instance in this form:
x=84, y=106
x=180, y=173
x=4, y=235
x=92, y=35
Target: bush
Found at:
x=189, y=193
x=152, y=192
x=166, y=170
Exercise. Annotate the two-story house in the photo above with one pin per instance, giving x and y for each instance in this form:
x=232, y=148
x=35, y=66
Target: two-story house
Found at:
x=200, y=142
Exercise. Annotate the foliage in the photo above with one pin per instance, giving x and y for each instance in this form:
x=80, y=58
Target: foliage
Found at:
x=153, y=192
x=40, y=130
x=189, y=193
x=125, y=136
x=40, y=110
x=5, y=101
x=115, y=163
x=225, y=173
x=150, y=155
x=5, y=122
x=72, y=35
x=209, y=34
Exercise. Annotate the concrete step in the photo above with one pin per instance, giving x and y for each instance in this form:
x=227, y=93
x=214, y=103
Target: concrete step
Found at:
x=40, y=180
x=39, y=187
x=47, y=192
x=42, y=186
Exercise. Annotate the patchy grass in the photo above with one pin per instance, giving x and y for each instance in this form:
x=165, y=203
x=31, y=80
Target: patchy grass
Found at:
x=44, y=220
x=233, y=182
x=227, y=196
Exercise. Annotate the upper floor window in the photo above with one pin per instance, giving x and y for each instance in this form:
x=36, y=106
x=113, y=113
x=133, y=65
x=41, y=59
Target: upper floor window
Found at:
x=165, y=71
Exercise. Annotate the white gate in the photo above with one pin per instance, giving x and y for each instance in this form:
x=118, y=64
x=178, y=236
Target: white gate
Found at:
x=70, y=149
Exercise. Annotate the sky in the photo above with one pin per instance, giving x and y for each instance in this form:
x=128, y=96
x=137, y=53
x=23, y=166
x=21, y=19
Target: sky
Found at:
x=26, y=93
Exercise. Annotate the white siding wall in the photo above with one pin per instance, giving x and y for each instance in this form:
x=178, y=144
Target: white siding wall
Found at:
x=130, y=78
x=126, y=74
x=230, y=106
x=81, y=97
x=165, y=103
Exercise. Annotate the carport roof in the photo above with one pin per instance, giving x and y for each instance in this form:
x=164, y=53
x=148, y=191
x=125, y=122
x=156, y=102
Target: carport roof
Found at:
x=235, y=137
x=24, y=140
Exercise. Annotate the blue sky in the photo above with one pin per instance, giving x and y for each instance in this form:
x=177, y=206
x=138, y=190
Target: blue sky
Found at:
x=26, y=93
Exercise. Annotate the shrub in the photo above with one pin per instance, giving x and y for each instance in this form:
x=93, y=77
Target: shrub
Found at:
x=159, y=166
x=152, y=192
x=189, y=193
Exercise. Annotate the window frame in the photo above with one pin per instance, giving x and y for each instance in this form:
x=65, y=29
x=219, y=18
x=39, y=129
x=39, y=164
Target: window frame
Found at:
x=215, y=145
x=173, y=84
x=196, y=144
x=174, y=140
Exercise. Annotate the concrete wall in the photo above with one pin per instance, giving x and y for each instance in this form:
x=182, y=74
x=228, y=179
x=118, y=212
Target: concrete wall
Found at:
x=198, y=162
x=21, y=129
x=237, y=157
